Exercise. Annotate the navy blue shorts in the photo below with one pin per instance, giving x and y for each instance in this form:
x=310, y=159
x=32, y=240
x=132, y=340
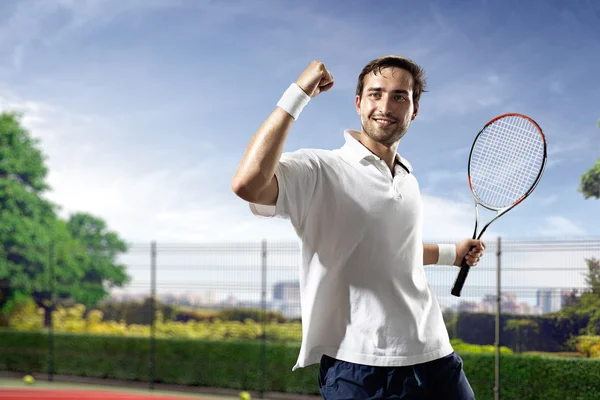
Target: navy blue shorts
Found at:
x=439, y=379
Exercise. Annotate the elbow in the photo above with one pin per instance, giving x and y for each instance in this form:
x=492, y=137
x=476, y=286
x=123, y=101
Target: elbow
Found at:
x=238, y=186
x=243, y=189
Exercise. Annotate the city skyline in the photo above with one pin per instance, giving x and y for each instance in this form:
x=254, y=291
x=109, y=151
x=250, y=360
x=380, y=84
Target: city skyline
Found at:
x=288, y=304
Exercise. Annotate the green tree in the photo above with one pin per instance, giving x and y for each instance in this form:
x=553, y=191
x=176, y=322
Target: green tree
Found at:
x=523, y=328
x=592, y=278
x=589, y=185
x=40, y=254
x=103, y=248
x=590, y=182
x=27, y=220
x=588, y=304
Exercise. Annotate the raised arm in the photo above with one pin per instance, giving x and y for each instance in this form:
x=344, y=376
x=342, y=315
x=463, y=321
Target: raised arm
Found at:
x=254, y=180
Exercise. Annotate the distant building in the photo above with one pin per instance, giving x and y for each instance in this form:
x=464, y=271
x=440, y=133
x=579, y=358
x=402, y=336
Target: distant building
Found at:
x=286, y=298
x=510, y=305
x=549, y=300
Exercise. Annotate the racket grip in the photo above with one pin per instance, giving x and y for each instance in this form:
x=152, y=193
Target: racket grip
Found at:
x=461, y=278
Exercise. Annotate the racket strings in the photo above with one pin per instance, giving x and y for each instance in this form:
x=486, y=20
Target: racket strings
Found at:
x=498, y=163
x=506, y=161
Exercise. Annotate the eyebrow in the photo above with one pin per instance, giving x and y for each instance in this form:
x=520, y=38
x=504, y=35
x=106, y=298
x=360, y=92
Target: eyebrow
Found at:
x=378, y=89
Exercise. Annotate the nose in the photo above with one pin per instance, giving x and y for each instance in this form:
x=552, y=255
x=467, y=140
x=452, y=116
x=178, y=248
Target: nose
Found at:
x=384, y=105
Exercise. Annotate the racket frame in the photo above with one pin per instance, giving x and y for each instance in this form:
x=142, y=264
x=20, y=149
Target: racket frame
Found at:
x=465, y=268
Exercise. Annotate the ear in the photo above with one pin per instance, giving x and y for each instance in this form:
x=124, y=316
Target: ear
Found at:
x=357, y=104
x=415, y=111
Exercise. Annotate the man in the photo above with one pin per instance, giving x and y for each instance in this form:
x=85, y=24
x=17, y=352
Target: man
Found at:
x=368, y=315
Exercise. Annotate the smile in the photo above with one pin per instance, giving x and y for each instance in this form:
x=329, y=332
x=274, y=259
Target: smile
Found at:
x=384, y=122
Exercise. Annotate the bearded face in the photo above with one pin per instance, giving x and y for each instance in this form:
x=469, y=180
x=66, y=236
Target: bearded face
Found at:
x=386, y=107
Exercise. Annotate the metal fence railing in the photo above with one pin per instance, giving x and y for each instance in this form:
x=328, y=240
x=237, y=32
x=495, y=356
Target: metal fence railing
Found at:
x=201, y=280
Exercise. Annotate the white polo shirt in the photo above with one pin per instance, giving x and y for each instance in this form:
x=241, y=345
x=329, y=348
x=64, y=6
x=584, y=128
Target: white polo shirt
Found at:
x=364, y=294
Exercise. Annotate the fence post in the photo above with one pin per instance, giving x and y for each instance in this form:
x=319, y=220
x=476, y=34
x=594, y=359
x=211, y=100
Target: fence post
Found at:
x=263, y=346
x=498, y=312
x=152, y=359
x=51, y=311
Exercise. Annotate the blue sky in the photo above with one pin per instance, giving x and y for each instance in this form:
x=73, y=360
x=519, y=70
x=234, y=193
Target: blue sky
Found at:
x=144, y=108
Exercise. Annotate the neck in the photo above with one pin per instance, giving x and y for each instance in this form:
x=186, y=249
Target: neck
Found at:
x=387, y=152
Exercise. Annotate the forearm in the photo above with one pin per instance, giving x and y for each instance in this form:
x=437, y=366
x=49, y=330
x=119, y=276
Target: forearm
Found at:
x=259, y=163
x=430, y=254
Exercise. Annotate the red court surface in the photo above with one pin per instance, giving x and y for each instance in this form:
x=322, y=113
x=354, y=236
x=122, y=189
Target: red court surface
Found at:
x=53, y=394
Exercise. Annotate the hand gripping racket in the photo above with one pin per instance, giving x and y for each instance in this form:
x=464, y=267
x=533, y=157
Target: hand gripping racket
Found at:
x=506, y=163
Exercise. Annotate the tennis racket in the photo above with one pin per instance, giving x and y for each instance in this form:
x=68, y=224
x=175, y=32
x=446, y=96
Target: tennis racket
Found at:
x=506, y=163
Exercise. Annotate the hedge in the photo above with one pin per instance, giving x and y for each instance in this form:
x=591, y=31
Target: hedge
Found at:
x=237, y=365
x=539, y=333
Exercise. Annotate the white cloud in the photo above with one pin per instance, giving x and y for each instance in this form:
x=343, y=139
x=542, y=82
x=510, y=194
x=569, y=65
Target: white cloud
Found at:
x=141, y=196
x=163, y=200
x=448, y=219
x=557, y=226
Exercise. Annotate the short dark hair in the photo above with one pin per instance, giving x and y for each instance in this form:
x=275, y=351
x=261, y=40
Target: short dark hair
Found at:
x=376, y=65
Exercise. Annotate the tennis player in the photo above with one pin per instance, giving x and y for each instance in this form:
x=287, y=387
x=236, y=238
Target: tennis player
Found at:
x=369, y=316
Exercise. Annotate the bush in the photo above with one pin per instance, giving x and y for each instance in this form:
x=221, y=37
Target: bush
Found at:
x=237, y=365
x=76, y=320
x=461, y=347
x=587, y=346
x=521, y=333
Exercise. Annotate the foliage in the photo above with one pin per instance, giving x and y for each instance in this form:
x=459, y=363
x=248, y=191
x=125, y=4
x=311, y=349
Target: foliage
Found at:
x=462, y=347
x=588, y=303
x=103, y=247
x=523, y=328
x=134, y=312
x=76, y=320
x=588, y=346
x=21, y=160
x=589, y=185
x=592, y=278
x=139, y=312
x=28, y=222
x=528, y=333
x=40, y=253
x=237, y=365
x=580, y=315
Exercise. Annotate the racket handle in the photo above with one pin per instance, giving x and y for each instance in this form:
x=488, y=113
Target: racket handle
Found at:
x=461, y=278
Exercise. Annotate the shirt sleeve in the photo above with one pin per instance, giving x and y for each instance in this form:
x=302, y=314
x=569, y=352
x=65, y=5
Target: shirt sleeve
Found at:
x=297, y=176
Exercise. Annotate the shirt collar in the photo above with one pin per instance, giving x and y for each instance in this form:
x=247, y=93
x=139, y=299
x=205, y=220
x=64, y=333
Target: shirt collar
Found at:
x=356, y=151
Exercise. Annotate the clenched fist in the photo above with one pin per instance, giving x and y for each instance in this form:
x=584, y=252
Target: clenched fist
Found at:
x=315, y=79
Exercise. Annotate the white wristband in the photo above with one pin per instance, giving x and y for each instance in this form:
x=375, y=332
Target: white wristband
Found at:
x=293, y=100
x=447, y=254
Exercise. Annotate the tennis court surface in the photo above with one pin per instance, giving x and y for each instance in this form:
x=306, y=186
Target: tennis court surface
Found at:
x=61, y=394
x=43, y=390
